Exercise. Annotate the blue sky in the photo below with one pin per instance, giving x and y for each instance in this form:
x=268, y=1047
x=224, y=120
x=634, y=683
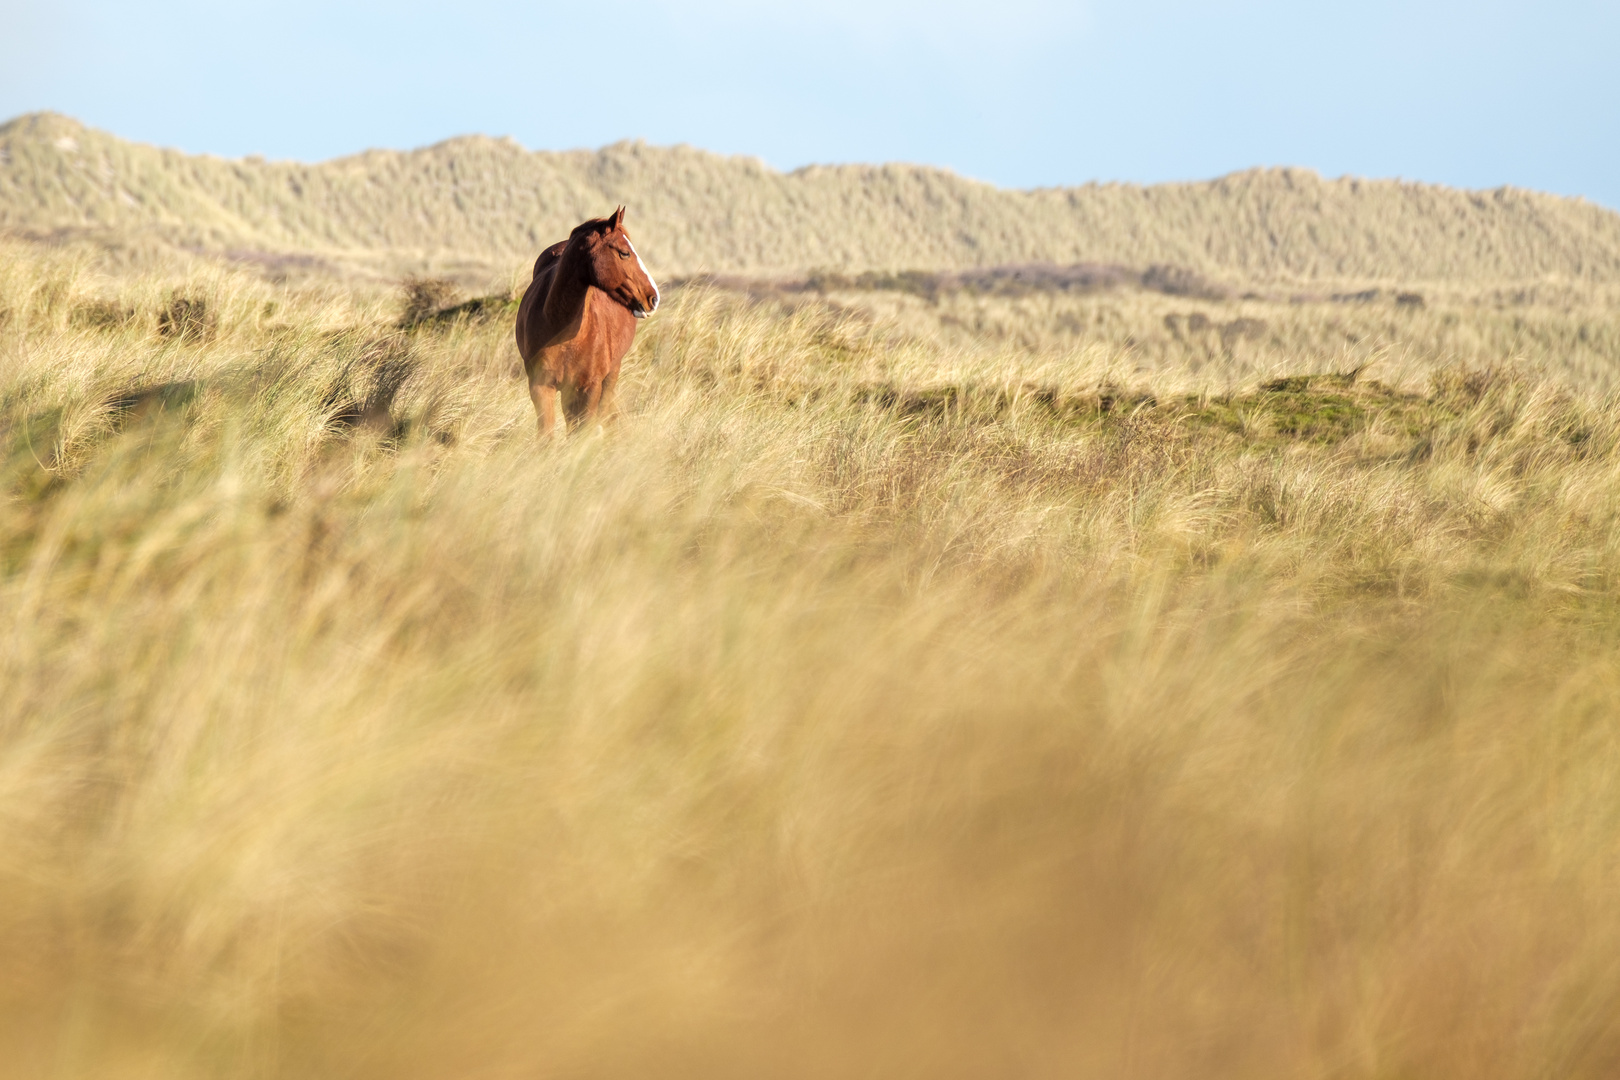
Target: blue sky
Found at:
x=1018, y=92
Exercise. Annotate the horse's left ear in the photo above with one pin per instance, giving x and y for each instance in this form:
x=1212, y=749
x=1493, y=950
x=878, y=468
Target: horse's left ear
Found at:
x=617, y=220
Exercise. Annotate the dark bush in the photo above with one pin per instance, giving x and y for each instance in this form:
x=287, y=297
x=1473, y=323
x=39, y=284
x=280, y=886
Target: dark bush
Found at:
x=425, y=297
x=1180, y=281
x=102, y=315
x=188, y=318
x=479, y=309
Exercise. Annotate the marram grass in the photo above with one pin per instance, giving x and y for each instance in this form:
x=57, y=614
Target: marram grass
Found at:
x=473, y=206
x=813, y=721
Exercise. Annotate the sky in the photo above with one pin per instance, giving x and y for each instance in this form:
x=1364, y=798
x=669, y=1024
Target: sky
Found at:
x=1021, y=93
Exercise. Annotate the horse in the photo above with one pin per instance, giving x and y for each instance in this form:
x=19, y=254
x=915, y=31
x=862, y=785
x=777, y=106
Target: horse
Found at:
x=578, y=318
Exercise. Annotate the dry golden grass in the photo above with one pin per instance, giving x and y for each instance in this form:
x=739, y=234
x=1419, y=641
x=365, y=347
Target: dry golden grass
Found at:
x=1569, y=334
x=828, y=717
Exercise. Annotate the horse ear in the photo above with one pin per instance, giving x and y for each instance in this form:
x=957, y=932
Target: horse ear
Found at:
x=617, y=220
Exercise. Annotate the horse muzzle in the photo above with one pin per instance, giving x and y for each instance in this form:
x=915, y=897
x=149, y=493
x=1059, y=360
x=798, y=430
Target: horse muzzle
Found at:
x=636, y=305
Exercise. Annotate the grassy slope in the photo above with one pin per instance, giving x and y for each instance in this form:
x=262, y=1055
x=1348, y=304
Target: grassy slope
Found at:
x=849, y=710
x=488, y=204
x=1569, y=334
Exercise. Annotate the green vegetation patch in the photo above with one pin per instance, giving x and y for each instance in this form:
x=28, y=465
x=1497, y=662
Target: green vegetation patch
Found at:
x=1317, y=408
x=436, y=302
x=1321, y=409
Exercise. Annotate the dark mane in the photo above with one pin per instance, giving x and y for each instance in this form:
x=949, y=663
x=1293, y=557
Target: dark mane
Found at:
x=549, y=257
x=552, y=254
x=588, y=226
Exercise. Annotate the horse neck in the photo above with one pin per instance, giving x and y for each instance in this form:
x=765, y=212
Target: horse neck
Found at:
x=566, y=298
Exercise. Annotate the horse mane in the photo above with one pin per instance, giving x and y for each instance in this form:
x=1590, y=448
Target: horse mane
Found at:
x=554, y=253
x=549, y=257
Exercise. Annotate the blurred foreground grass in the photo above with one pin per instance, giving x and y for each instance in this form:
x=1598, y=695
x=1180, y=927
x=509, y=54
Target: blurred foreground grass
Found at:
x=865, y=704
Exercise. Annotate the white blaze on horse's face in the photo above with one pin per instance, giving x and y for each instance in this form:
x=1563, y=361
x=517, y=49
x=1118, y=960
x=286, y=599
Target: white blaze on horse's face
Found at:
x=649, y=277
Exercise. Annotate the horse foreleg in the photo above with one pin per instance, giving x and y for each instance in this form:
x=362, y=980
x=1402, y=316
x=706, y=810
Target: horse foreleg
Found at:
x=573, y=405
x=591, y=408
x=610, y=398
x=545, y=407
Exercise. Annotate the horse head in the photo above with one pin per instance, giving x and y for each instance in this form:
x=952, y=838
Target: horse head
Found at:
x=614, y=266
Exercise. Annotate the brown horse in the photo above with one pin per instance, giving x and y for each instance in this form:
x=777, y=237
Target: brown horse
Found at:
x=578, y=318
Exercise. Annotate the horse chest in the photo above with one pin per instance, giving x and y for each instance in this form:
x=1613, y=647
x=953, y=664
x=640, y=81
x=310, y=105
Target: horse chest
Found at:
x=591, y=348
